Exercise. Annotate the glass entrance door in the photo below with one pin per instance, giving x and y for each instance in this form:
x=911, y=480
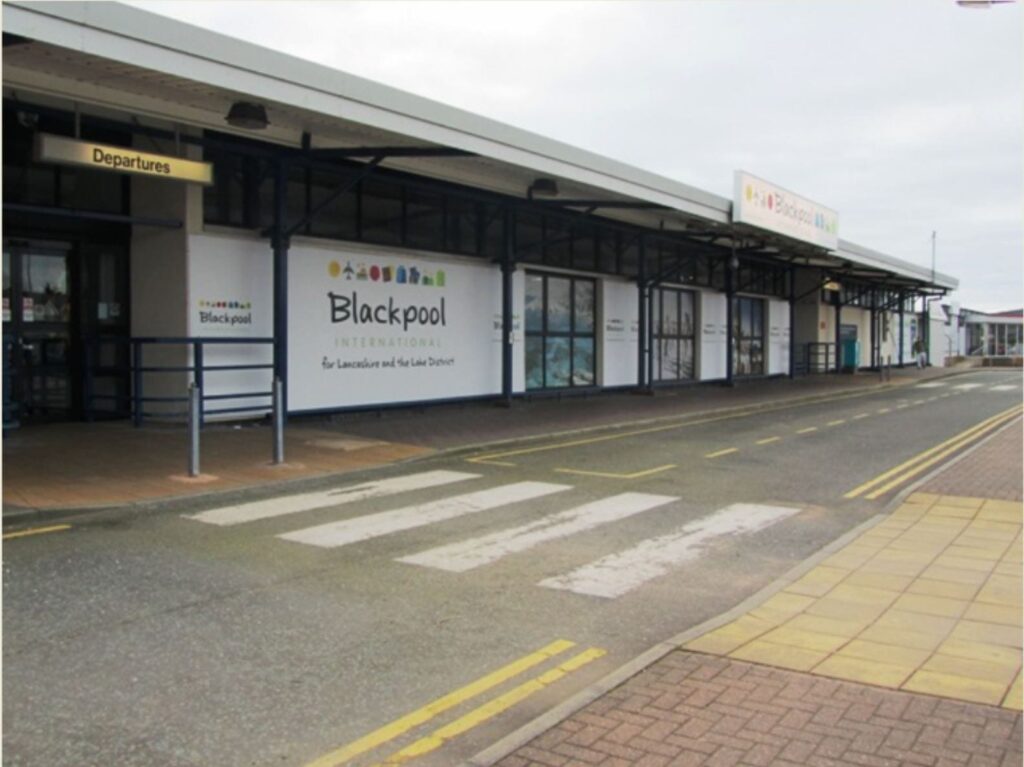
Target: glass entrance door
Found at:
x=37, y=326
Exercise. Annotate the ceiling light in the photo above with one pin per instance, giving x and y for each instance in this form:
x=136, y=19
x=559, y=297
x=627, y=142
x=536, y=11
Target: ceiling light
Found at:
x=542, y=187
x=244, y=114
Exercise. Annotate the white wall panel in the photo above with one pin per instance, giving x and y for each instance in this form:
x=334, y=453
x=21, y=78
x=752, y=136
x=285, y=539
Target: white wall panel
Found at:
x=713, y=310
x=620, y=333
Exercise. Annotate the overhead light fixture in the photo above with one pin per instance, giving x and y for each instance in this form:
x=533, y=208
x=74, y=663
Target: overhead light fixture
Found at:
x=542, y=187
x=245, y=114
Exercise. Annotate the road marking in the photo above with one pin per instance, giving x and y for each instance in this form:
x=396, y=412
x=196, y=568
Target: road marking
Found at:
x=422, y=715
x=489, y=458
x=610, y=475
x=35, y=531
x=617, y=574
x=905, y=404
x=977, y=428
x=882, y=411
x=335, y=534
x=277, y=507
x=491, y=709
x=932, y=399
x=808, y=430
x=836, y=422
x=1004, y=387
x=859, y=416
x=931, y=385
x=718, y=453
x=768, y=440
x=476, y=552
x=968, y=386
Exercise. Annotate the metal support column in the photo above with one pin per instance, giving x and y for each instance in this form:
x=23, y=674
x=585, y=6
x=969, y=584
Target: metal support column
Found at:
x=280, y=243
x=730, y=285
x=903, y=300
x=792, y=323
x=508, y=267
x=875, y=351
x=839, y=336
x=926, y=321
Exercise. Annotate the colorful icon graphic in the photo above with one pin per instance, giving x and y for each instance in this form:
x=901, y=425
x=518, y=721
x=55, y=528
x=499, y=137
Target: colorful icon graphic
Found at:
x=334, y=268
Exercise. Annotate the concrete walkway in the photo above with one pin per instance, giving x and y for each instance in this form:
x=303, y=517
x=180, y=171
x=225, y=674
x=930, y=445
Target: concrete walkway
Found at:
x=71, y=466
x=900, y=647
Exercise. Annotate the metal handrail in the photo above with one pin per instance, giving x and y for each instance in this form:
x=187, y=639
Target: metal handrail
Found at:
x=136, y=399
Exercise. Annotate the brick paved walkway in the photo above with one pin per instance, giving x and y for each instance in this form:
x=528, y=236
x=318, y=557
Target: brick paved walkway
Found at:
x=695, y=709
x=991, y=471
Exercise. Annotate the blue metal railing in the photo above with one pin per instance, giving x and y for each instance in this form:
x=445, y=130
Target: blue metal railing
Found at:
x=134, y=401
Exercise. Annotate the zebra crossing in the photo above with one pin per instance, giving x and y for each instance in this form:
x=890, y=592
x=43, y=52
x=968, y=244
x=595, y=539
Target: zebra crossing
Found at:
x=965, y=387
x=608, y=577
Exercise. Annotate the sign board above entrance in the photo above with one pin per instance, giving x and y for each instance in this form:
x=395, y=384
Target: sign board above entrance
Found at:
x=759, y=203
x=69, y=151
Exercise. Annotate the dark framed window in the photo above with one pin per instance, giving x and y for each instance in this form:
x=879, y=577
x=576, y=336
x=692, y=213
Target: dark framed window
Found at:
x=674, y=326
x=561, y=317
x=748, y=336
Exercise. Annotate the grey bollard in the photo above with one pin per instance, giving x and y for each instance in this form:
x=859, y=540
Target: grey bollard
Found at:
x=278, y=419
x=195, y=403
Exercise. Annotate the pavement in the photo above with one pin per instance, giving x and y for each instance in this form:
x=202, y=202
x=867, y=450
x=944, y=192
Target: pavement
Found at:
x=900, y=644
x=58, y=468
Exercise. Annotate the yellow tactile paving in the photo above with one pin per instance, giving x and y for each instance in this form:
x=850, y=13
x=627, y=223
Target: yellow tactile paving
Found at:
x=928, y=600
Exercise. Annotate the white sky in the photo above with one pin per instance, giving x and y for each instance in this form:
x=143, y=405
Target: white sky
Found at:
x=905, y=116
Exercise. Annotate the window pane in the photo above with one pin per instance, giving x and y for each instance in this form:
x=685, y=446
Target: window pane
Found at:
x=382, y=212
x=686, y=311
x=669, y=325
x=557, y=239
x=669, y=358
x=461, y=231
x=584, y=306
x=534, y=362
x=493, y=231
x=44, y=283
x=757, y=317
x=606, y=250
x=424, y=220
x=338, y=219
x=559, y=317
x=556, y=358
x=686, y=358
x=583, y=255
x=534, y=303
x=529, y=235
x=583, y=362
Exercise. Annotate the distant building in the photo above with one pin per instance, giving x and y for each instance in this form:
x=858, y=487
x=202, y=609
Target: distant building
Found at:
x=994, y=335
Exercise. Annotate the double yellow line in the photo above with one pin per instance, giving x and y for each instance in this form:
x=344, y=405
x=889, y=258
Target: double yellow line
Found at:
x=883, y=483
x=477, y=716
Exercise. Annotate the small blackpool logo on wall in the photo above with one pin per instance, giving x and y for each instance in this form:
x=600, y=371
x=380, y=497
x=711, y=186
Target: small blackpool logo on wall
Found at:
x=401, y=275
x=224, y=312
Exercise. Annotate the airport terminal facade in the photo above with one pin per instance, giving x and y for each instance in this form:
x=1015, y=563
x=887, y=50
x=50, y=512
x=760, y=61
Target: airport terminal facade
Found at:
x=183, y=206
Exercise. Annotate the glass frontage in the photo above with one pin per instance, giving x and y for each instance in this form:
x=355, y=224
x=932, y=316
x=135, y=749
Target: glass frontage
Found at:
x=560, y=323
x=674, y=326
x=748, y=336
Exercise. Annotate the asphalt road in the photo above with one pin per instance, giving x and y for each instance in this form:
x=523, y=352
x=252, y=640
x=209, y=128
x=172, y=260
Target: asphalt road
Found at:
x=166, y=639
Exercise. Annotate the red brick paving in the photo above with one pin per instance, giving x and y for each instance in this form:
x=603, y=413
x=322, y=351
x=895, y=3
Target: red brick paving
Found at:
x=992, y=471
x=695, y=709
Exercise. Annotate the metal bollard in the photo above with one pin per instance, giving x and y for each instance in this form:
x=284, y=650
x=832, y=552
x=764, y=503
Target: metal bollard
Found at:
x=278, y=418
x=195, y=404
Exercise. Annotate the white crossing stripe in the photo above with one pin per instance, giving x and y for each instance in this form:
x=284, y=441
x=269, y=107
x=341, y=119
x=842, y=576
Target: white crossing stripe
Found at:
x=334, y=534
x=476, y=552
x=292, y=504
x=616, y=574
x=966, y=386
x=1005, y=387
x=930, y=385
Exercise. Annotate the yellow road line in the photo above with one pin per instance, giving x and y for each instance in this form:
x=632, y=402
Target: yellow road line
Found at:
x=491, y=709
x=610, y=475
x=836, y=422
x=451, y=700
x=935, y=459
x=808, y=430
x=871, y=483
x=489, y=458
x=727, y=451
x=35, y=531
x=767, y=441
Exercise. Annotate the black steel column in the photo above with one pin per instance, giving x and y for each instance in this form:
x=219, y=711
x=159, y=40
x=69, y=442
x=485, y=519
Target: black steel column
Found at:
x=508, y=268
x=792, y=323
x=280, y=243
x=903, y=300
x=874, y=331
x=729, y=287
x=839, y=337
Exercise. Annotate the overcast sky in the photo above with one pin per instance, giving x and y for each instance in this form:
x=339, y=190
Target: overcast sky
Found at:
x=905, y=116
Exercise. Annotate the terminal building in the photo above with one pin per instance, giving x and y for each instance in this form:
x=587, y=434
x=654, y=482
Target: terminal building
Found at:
x=182, y=206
